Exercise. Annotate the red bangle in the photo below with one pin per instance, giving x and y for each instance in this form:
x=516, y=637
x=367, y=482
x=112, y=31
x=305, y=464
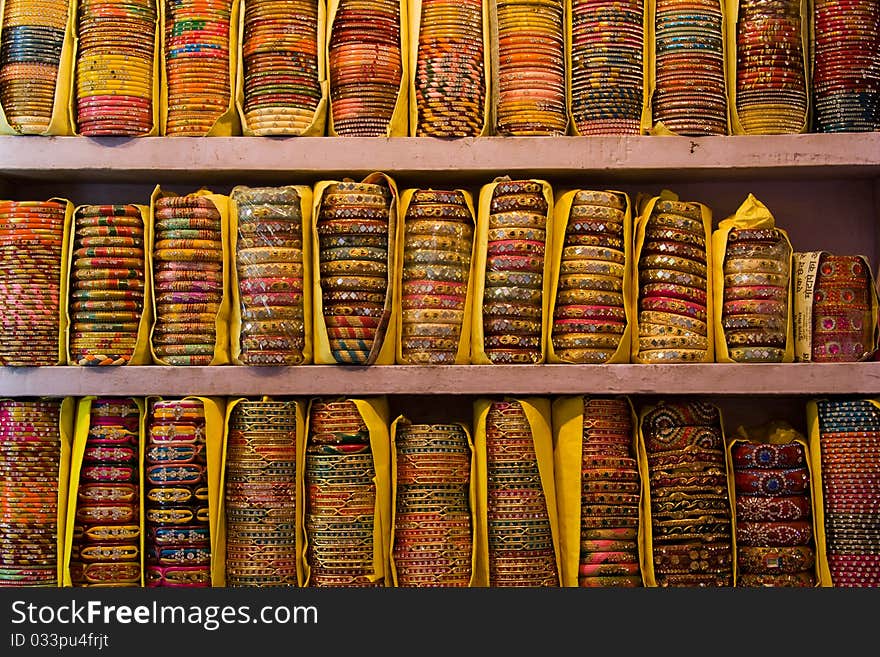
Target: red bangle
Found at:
x=766, y=455
x=761, y=508
x=772, y=481
x=782, y=533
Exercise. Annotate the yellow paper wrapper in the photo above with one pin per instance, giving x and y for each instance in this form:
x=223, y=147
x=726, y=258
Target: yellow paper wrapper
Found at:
x=392, y=568
x=227, y=124
x=305, y=204
x=383, y=347
x=398, y=126
x=59, y=123
x=376, y=415
x=221, y=322
x=754, y=215
x=773, y=433
x=538, y=412
x=568, y=443
x=80, y=432
x=463, y=355
x=561, y=211
x=218, y=563
x=478, y=273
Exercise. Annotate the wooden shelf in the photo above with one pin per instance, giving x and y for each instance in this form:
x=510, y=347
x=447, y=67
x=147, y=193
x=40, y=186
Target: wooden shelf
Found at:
x=278, y=159
x=789, y=379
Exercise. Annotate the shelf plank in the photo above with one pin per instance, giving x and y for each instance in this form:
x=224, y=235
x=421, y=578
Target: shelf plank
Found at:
x=281, y=159
x=790, y=379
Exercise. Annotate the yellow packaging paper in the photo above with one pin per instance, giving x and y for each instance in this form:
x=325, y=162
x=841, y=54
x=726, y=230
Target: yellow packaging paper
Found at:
x=751, y=214
x=561, y=211
x=156, y=78
x=568, y=443
x=80, y=438
x=641, y=224
x=319, y=120
x=539, y=414
x=415, y=22
x=398, y=126
x=227, y=124
x=646, y=524
x=141, y=354
x=647, y=48
x=59, y=124
x=376, y=415
x=305, y=206
x=805, y=272
x=215, y=414
x=649, y=125
x=384, y=343
x=478, y=272
x=65, y=434
x=63, y=283
x=221, y=323
x=773, y=433
x=463, y=355
x=731, y=14
x=815, y=454
x=218, y=550
x=471, y=500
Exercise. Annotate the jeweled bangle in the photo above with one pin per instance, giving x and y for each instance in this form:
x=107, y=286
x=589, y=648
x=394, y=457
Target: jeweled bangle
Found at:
x=772, y=481
x=673, y=306
x=679, y=264
x=765, y=560
x=679, y=437
x=677, y=221
x=767, y=455
x=803, y=579
x=698, y=581
x=779, y=533
x=662, y=234
x=766, y=508
x=742, y=265
x=597, y=198
x=680, y=249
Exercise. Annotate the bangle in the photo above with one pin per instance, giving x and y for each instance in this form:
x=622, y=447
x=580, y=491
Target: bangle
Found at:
x=692, y=558
x=743, y=265
x=662, y=234
x=762, y=322
x=681, y=250
x=755, y=279
x=595, y=198
x=840, y=322
x=670, y=276
x=119, y=572
x=680, y=437
x=671, y=319
x=629, y=567
x=610, y=581
x=673, y=306
x=700, y=581
x=757, y=508
x=679, y=222
x=777, y=533
x=765, y=560
x=683, y=292
x=768, y=455
x=765, y=338
x=771, y=235
x=653, y=343
x=842, y=267
x=772, y=481
x=803, y=579
x=750, y=298
x=841, y=296
x=679, y=264
x=683, y=208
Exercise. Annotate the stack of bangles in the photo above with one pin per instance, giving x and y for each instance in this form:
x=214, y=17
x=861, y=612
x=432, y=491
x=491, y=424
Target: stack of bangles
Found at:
x=673, y=285
x=774, y=528
x=692, y=540
x=340, y=482
x=270, y=270
x=842, y=309
x=31, y=243
x=33, y=38
x=107, y=284
x=107, y=527
x=757, y=277
x=260, y=494
x=437, y=246
x=514, y=277
x=355, y=237
x=433, y=531
x=178, y=541
x=188, y=283
x=610, y=496
x=450, y=76
x=849, y=438
x=521, y=545
x=365, y=66
x=589, y=317
x=30, y=458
